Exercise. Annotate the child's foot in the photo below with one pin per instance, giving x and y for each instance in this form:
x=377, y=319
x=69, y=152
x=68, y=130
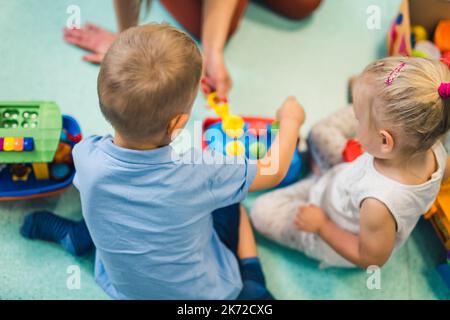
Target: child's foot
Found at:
x=44, y=225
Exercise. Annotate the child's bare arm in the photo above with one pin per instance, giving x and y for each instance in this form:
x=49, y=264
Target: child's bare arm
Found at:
x=275, y=165
x=373, y=245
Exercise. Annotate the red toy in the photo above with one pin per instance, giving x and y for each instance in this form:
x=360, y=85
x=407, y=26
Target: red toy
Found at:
x=446, y=58
x=352, y=150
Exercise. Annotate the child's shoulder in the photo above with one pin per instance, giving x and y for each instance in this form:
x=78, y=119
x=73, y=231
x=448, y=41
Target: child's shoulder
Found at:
x=88, y=143
x=85, y=151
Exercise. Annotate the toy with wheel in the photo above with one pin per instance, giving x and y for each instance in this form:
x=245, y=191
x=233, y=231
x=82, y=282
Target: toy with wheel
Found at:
x=36, y=144
x=251, y=137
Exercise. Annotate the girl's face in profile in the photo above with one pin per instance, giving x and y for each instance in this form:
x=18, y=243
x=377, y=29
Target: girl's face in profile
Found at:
x=367, y=133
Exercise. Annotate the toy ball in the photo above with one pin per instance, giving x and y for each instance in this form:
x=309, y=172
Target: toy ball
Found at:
x=258, y=150
x=441, y=35
x=233, y=126
x=235, y=148
x=419, y=54
x=60, y=171
x=427, y=49
x=420, y=33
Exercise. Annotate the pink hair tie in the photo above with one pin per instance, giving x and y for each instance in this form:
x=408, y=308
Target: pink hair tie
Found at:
x=444, y=90
x=394, y=74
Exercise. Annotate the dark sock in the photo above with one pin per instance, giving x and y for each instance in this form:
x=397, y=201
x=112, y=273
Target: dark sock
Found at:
x=251, y=270
x=253, y=281
x=44, y=225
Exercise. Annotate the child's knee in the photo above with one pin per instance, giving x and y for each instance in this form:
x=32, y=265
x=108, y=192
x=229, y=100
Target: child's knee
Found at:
x=262, y=212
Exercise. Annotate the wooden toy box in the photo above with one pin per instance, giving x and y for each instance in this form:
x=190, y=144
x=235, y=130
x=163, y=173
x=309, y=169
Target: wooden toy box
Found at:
x=415, y=12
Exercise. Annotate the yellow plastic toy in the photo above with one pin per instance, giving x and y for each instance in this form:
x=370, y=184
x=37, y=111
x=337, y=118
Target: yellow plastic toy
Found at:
x=420, y=33
x=439, y=214
x=8, y=144
x=235, y=148
x=233, y=125
x=41, y=171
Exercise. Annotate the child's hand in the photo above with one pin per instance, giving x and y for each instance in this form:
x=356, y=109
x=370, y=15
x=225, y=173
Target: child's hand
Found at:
x=310, y=218
x=291, y=110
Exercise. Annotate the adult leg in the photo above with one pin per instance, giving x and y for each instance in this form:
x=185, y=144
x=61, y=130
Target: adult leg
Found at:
x=293, y=9
x=189, y=14
x=44, y=225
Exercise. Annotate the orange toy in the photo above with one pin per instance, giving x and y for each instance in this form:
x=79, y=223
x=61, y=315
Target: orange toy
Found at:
x=442, y=35
x=439, y=214
x=63, y=153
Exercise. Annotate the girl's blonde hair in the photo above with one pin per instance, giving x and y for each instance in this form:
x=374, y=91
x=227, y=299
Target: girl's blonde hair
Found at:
x=409, y=100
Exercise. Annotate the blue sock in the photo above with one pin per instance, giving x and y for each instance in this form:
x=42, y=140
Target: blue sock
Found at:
x=254, y=283
x=44, y=225
x=251, y=270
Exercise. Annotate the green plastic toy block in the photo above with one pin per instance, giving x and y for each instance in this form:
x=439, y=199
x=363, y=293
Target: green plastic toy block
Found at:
x=39, y=120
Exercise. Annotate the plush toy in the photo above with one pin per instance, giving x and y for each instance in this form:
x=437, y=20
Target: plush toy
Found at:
x=426, y=49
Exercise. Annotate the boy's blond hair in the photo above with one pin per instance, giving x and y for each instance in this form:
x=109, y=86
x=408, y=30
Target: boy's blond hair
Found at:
x=410, y=105
x=149, y=75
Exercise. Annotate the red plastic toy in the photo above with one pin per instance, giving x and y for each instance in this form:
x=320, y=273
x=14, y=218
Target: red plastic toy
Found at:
x=352, y=150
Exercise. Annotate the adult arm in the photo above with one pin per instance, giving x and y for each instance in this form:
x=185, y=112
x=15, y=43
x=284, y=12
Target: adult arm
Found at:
x=217, y=16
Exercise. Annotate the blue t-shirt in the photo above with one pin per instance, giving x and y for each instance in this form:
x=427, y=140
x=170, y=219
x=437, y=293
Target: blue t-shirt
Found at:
x=149, y=215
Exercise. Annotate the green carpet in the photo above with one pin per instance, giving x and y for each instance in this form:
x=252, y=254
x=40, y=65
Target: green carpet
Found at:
x=269, y=58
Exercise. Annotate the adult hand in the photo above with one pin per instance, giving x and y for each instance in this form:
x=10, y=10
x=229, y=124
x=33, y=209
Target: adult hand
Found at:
x=215, y=75
x=92, y=38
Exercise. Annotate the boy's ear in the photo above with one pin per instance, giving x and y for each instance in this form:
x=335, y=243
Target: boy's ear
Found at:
x=387, y=141
x=177, y=123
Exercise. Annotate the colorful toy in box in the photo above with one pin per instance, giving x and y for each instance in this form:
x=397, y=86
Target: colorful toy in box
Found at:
x=439, y=214
x=442, y=35
x=36, y=144
x=426, y=49
x=399, y=37
x=446, y=58
x=421, y=29
x=233, y=135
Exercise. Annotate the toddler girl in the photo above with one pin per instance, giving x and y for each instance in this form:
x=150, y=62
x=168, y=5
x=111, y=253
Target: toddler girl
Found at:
x=358, y=213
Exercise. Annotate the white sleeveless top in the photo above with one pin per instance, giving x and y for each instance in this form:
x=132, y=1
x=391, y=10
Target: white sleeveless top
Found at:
x=341, y=190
